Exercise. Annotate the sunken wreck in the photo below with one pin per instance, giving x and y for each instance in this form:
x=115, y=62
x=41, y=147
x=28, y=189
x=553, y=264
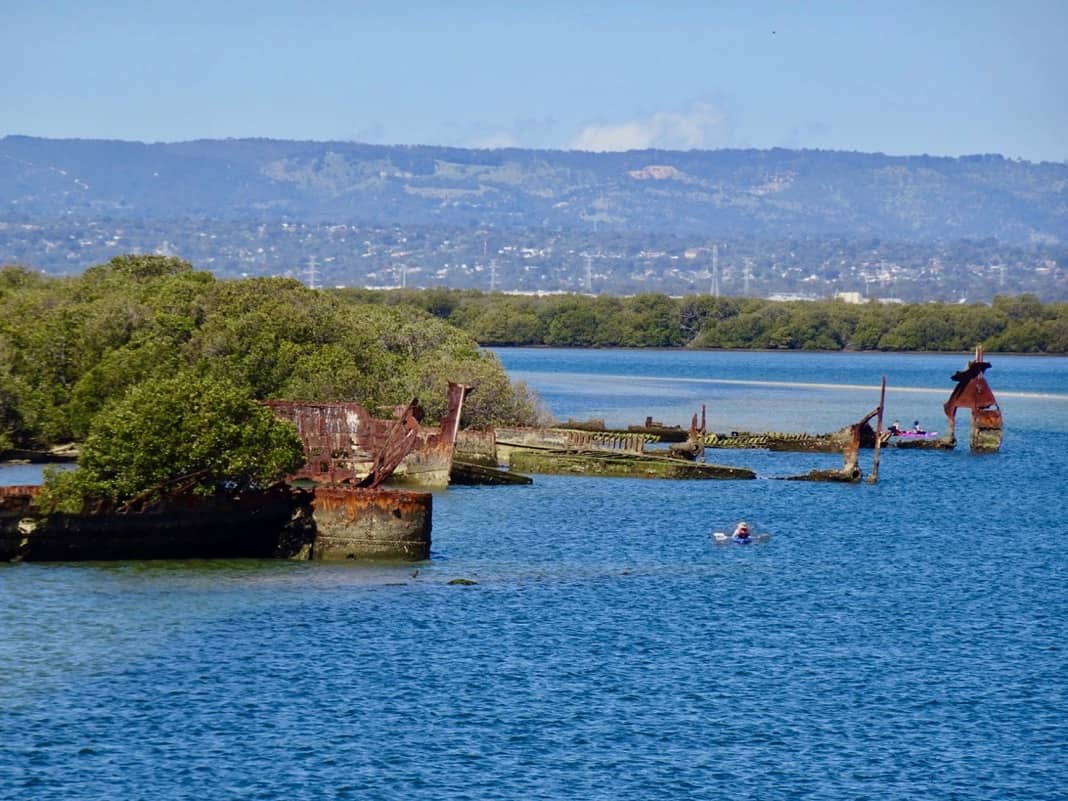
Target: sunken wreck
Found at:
x=973, y=393
x=344, y=444
x=285, y=522
x=590, y=448
x=588, y=451
x=341, y=512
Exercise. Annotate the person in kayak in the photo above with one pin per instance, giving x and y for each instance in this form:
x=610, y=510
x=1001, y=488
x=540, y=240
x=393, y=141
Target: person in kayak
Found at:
x=895, y=429
x=917, y=428
x=741, y=531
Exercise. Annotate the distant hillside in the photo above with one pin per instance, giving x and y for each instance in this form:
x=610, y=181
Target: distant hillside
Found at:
x=774, y=194
x=770, y=223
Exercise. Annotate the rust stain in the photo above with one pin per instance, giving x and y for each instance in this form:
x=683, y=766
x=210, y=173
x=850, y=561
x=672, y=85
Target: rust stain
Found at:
x=20, y=491
x=361, y=522
x=343, y=443
x=354, y=503
x=17, y=501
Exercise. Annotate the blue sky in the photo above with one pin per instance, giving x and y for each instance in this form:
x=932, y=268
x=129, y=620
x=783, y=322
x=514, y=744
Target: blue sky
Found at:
x=944, y=78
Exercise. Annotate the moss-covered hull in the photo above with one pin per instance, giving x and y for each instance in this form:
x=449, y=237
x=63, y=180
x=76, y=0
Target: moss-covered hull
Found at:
x=620, y=465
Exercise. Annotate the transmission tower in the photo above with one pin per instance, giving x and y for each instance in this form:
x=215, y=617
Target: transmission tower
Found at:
x=715, y=271
x=311, y=274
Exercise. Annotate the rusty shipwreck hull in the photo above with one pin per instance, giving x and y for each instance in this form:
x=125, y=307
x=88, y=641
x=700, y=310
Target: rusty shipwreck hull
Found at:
x=653, y=428
x=832, y=442
x=973, y=392
x=610, y=453
x=357, y=523
x=621, y=465
x=323, y=523
x=184, y=526
x=690, y=443
x=509, y=440
x=343, y=443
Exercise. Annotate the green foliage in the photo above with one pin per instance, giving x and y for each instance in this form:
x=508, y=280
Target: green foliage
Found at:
x=495, y=400
x=569, y=322
x=113, y=375
x=1014, y=324
x=11, y=394
x=185, y=428
x=499, y=326
x=13, y=277
x=71, y=347
x=141, y=267
x=651, y=320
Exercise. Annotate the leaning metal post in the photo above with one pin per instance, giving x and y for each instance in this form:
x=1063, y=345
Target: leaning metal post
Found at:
x=874, y=476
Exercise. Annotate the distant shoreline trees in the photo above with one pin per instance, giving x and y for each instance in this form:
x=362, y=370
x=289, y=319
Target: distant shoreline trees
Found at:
x=73, y=348
x=1011, y=324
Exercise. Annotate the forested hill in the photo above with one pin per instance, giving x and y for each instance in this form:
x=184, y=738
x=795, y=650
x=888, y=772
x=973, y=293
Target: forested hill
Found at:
x=757, y=194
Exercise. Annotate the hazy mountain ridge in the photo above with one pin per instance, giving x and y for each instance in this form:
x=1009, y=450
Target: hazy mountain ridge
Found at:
x=753, y=193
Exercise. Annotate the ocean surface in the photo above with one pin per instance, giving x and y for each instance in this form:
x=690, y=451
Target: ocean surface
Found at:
x=902, y=640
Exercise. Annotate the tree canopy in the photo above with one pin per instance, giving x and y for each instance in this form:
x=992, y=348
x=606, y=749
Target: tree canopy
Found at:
x=72, y=347
x=1020, y=324
x=204, y=433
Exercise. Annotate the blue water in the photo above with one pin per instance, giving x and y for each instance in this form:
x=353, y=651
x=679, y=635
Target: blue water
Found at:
x=904, y=640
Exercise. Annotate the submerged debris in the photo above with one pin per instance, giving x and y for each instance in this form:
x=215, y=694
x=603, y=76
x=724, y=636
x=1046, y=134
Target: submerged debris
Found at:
x=621, y=465
x=473, y=474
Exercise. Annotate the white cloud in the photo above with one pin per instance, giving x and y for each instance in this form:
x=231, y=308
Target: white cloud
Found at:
x=700, y=126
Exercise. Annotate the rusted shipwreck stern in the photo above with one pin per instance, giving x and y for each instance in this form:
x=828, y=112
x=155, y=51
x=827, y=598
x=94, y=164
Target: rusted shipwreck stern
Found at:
x=344, y=444
x=972, y=392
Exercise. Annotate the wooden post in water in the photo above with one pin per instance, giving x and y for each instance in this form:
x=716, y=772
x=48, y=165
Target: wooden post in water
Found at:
x=874, y=475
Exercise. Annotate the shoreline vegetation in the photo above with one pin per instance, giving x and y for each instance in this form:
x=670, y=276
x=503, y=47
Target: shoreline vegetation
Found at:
x=1010, y=324
x=156, y=371
x=93, y=357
